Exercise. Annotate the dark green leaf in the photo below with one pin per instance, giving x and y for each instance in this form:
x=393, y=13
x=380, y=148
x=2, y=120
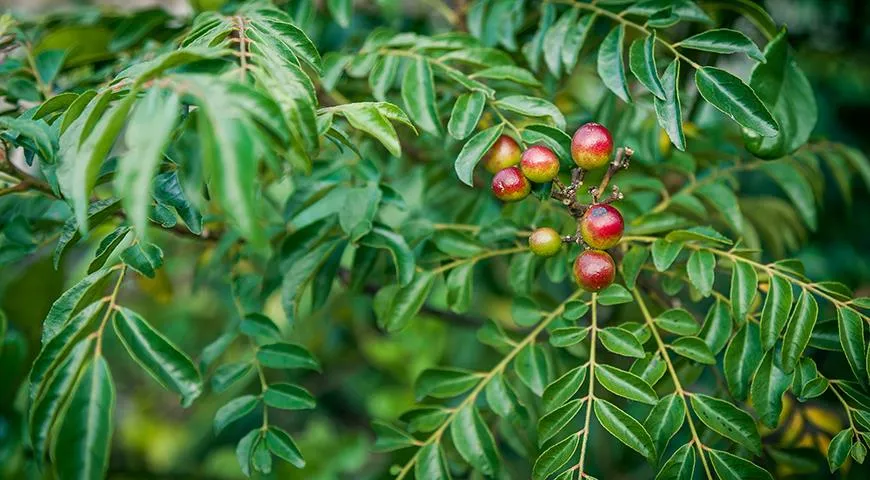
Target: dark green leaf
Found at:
x=563, y=388
x=693, y=348
x=285, y=356
x=280, y=443
x=621, y=342
x=851, y=329
x=614, y=295
x=741, y=359
x=288, y=397
x=466, y=114
x=701, y=269
x=736, y=100
x=723, y=40
x=407, y=302
x=732, y=467
x=610, y=66
x=625, y=428
x=418, y=95
x=800, y=327
x=768, y=386
x=532, y=367
x=473, y=151
x=625, y=384
x=678, y=321
x=668, y=110
x=144, y=258
x=681, y=465
x=157, y=355
x=553, y=422
x=553, y=458
x=838, y=450
x=774, y=314
x=727, y=420
x=665, y=420
x=664, y=253
x=642, y=62
x=444, y=382
x=389, y=438
x=744, y=284
x=473, y=440
x=234, y=410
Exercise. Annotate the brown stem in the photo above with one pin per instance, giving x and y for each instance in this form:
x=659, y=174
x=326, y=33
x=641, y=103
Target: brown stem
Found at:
x=620, y=161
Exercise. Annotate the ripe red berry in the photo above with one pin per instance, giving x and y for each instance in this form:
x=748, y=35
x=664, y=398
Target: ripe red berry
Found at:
x=594, y=270
x=504, y=153
x=545, y=242
x=601, y=226
x=510, y=185
x=591, y=146
x=539, y=164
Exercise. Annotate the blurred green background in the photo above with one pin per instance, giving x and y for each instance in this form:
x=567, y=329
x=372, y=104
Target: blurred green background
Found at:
x=367, y=375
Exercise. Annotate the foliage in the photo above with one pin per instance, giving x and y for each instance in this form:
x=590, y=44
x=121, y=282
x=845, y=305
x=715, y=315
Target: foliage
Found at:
x=334, y=182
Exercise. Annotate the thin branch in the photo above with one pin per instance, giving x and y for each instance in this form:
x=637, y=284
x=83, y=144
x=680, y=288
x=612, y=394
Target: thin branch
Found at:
x=590, y=395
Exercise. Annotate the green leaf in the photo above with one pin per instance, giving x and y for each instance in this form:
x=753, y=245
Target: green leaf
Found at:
x=800, y=327
x=431, y=463
x=45, y=408
x=403, y=257
x=259, y=325
x=554, y=40
x=650, y=368
x=280, y=443
x=553, y=458
x=389, y=438
x=78, y=175
x=460, y=284
x=625, y=384
x=664, y=253
x=554, y=421
x=473, y=151
x=851, y=329
x=693, y=348
x=665, y=420
x=234, y=410
x=107, y=247
x=144, y=258
x=286, y=356
x=700, y=234
x=621, y=342
x=631, y=264
x=157, y=355
x=418, y=95
x=774, y=314
x=838, y=449
x=642, y=62
x=299, y=273
x=681, y=465
x=508, y=72
x=786, y=92
x=768, y=386
x=532, y=367
x=532, y=107
x=56, y=349
x=85, y=436
x=574, y=40
x=568, y=336
x=407, y=302
x=615, y=294
x=474, y=442
x=723, y=40
x=678, y=321
x=702, y=271
x=444, y=382
x=148, y=134
x=466, y=114
x=744, y=286
x=288, y=397
x=610, y=66
x=796, y=188
x=727, y=420
x=360, y=207
x=37, y=131
x=563, y=388
x=341, y=11
x=724, y=200
x=732, y=467
x=858, y=452
x=245, y=448
x=383, y=76
x=668, y=109
x=717, y=327
x=368, y=118
x=72, y=301
x=741, y=359
x=736, y=100
x=502, y=399
x=226, y=375
x=625, y=428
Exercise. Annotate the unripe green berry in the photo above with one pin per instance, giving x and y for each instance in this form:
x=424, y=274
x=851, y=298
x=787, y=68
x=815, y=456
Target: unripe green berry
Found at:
x=510, y=185
x=594, y=270
x=504, y=153
x=545, y=242
x=591, y=146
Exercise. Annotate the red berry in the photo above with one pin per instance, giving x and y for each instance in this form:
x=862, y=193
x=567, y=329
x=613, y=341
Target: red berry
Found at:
x=539, y=164
x=594, y=270
x=601, y=226
x=591, y=146
x=510, y=185
x=504, y=153
x=545, y=242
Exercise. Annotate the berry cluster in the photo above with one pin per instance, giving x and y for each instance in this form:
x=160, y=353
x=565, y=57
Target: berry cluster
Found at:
x=599, y=224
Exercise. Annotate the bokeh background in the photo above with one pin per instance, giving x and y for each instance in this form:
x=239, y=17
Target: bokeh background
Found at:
x=369, y=376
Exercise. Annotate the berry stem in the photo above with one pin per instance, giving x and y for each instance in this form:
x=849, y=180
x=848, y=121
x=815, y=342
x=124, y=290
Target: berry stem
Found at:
x=620, y=161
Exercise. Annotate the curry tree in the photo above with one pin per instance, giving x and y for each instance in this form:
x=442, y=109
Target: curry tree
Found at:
x=587, y=161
